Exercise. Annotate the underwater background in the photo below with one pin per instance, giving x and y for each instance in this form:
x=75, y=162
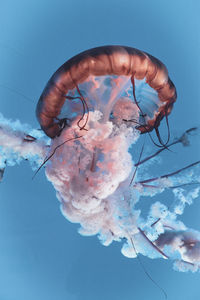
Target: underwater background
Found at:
x=41, y=254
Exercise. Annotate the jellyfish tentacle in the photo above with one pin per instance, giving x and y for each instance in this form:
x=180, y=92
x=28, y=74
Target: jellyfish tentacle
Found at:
x=169, y=174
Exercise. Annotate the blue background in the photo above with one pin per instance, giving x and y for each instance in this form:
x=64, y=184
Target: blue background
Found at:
x=41, y=254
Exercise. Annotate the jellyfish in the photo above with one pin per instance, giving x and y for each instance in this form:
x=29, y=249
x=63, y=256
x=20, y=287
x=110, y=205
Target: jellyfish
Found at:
x=93, y=112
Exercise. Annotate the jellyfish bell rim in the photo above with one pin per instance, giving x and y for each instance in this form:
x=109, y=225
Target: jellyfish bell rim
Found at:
x=100, y=61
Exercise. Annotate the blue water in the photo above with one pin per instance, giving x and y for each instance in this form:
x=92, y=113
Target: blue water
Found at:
x=41, y=254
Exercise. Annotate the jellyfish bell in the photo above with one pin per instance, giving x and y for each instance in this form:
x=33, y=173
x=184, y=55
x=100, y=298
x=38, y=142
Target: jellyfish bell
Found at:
x=127, y=68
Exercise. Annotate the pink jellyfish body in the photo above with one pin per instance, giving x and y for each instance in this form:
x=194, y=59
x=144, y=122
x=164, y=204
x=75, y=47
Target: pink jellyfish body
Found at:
x=94, y=108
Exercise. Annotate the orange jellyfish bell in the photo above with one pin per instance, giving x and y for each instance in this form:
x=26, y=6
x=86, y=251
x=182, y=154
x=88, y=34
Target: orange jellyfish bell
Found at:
x=154, y=97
